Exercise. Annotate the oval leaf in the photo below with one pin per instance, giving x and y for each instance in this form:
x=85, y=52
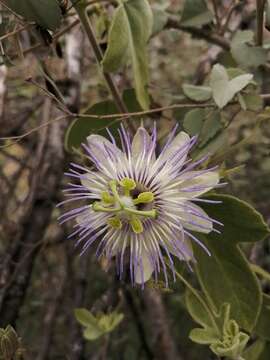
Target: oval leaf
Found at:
x=225, y=276
x=242, y=223
x=197, y=93
x=130, y=30
x=224, y=89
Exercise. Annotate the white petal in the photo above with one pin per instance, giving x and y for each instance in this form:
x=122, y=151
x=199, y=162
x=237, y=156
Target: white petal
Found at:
x=99, y=146
x=147, y=269
x=198, y=185
x=94, y=182
x=80, y=219
x=198, y=220
x=176, y=145
x=142, y=140
x=185, y=252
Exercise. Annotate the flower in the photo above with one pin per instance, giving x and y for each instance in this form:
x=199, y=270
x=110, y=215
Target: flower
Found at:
x=141, y=206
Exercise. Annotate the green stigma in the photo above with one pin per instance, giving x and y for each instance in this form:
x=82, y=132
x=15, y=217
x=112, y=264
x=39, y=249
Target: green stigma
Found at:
x=119, y=202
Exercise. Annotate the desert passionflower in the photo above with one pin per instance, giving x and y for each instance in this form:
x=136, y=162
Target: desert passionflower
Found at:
x=140, y=206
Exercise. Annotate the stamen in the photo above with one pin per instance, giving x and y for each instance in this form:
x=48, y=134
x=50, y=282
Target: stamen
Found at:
x=115, y=222
x=128, y=185
x=144, y=198
x=136, y=224
x=107, y=198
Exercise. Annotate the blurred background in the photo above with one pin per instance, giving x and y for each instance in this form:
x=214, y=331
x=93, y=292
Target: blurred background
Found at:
x=42, y=278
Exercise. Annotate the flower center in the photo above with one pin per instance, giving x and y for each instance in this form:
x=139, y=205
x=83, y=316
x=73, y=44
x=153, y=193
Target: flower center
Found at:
x=120, y=202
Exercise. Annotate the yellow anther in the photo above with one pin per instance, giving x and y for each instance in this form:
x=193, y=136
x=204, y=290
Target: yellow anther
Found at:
x=144, y=198
x=136, y=224
x=128, y=185
x=115, y=222
x=107, y=198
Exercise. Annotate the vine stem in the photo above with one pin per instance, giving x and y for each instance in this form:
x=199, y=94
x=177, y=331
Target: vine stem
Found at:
x=84, y=19
x=199, y=298
x=259, y=271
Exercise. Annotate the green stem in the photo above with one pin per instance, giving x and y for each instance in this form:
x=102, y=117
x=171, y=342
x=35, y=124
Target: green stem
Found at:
x=199, y=298
x=258, y=270
x=82, y=13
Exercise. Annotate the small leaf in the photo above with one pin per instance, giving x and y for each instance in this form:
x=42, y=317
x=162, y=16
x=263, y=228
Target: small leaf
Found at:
x=197, y=93
x=254, y=102
x=160, y=20
x=46, y=13
x=109, y=322
x=196, y=14
x=85, y=318
x=193, y=121
x=224, y=89
x=196, y=310
x=130, y=30
x=211, y=127
x=246, y=54
x=203, y=336
x=92, y=333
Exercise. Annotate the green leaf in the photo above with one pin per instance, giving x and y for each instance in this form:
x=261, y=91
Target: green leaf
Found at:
x=132, y=104
x=92, y=333
x=242, y=223
x=211, y=127
x=225, y=276
x=193, y=121
x=130, y=30
x=203, y=336
x=109, y=322
x=254, y=102
x=82, y=127
x=265, y=355
x=224, y=89
x=196, y=14
x=254, y=351
x=246, y=54
x=46, y=13
x=217, y=144
x=85, y=318
x=197, y=93
x=196, y=310
x=263, y=325
x=160, y=18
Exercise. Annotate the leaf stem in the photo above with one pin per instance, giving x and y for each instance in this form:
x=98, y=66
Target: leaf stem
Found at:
x=199, y=298
x=259, y=271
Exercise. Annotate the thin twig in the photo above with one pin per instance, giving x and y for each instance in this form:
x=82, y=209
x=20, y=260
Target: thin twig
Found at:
x=260, y=16
x=215, y=7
